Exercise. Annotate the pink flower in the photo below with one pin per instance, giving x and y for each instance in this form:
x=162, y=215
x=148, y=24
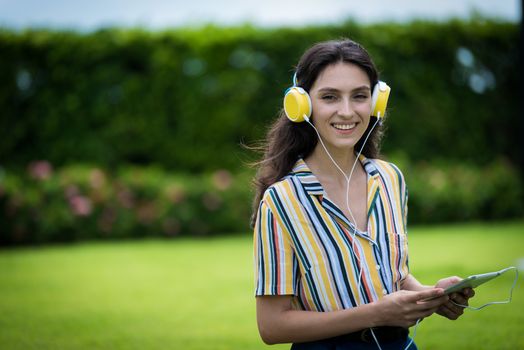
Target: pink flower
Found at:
x=222, y=179
x=80, y=205
x=40, y=170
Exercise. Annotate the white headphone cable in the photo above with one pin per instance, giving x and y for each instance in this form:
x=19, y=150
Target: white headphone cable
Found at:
x=495, y=302
x=348, y=179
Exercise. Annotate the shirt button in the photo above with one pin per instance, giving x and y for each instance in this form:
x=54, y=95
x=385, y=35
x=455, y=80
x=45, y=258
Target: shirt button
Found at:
x=370, y=243
x=384, y=292
x=378, y=267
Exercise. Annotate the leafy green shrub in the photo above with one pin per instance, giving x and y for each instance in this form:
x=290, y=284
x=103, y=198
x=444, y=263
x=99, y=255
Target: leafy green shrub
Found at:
x=461, y=192
x=78, y=202
x=85, y=202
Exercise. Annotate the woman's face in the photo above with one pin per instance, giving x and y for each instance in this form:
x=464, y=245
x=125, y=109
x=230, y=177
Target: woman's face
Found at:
x=341, y=99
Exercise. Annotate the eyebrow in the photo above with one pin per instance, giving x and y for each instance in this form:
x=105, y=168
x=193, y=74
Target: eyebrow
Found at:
x=330, y=89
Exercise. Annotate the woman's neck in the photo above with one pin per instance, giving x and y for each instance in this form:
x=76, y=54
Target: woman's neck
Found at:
x=322, y=165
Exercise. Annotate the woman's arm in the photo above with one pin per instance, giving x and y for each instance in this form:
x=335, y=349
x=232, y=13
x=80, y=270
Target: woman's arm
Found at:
x=411, y=283
x=278, y=322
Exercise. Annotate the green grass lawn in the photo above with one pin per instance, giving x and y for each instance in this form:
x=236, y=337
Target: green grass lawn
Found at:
x=198, y=294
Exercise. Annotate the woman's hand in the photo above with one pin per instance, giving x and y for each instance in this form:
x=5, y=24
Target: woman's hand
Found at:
x=404, y=308
x=448, y=309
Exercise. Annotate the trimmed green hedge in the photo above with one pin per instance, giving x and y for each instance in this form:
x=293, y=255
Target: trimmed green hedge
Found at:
x=71, y=203
x=185, y=99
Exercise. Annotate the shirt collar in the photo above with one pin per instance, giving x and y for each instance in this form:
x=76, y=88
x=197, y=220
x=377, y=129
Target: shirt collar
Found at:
x=311, y=183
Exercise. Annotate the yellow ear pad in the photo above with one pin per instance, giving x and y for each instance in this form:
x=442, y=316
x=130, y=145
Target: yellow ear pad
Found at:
x=297, y=104
x=379, y=99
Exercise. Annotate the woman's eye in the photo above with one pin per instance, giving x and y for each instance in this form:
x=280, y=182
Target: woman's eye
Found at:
x=328, y=97
x=361, y=96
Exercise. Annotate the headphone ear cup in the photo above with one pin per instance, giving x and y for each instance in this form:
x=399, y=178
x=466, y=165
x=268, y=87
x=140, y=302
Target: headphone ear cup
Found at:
x=297, y=104
x=379, y=99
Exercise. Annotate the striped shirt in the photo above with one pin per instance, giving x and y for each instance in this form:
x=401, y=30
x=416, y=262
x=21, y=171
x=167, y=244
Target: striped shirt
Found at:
x=306, y=247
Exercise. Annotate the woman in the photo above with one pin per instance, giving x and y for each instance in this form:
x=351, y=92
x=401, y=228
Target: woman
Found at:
x=331, y=263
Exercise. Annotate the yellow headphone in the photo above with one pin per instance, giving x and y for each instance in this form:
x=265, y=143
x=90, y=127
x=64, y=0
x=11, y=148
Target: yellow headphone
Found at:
x=297, y=103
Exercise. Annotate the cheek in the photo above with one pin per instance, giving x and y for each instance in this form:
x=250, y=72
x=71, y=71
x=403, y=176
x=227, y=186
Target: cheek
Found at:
x=364, y=109
x=320, y=113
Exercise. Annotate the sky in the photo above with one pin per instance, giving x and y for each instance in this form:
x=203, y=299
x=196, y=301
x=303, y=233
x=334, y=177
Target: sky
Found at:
x=159, y=14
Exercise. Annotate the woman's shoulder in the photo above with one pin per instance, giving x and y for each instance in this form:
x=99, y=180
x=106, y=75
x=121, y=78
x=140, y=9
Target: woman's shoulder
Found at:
x=279, y=188
x=287, y=185
x=385, y=164
x=387, y=169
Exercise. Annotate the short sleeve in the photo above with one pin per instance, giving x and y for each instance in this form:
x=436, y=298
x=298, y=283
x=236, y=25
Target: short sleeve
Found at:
x=274, y=258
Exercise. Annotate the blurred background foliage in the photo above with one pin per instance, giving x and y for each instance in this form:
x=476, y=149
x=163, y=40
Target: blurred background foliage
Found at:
x=126, y=133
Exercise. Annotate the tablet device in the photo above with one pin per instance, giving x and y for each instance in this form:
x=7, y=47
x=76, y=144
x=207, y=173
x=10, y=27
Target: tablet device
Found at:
x=474, y=281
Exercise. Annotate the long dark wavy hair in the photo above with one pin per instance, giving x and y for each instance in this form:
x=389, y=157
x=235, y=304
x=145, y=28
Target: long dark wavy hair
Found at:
x=286, y=141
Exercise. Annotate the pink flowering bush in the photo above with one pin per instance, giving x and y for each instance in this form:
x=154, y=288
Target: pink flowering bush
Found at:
x=441, y=192
x=84, y=202
x=48, y=204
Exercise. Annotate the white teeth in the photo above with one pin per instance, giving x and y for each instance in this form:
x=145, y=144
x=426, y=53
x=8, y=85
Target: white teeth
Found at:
x=344, y=126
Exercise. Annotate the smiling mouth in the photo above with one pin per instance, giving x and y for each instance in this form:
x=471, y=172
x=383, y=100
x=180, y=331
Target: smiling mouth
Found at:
x=344, y=126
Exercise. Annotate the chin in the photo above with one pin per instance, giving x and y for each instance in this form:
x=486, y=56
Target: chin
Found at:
x=343, y=146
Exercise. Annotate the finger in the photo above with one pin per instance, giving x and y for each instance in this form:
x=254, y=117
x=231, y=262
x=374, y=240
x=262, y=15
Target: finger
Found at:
x=420, y=314
x=459, y=299
x=426, y=294
x=453, y=280
x=450, y=311
x=459, y=310
x=468, y=293
x=432, y=303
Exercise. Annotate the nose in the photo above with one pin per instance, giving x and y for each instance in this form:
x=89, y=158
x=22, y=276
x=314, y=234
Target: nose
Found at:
x=345, y=108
